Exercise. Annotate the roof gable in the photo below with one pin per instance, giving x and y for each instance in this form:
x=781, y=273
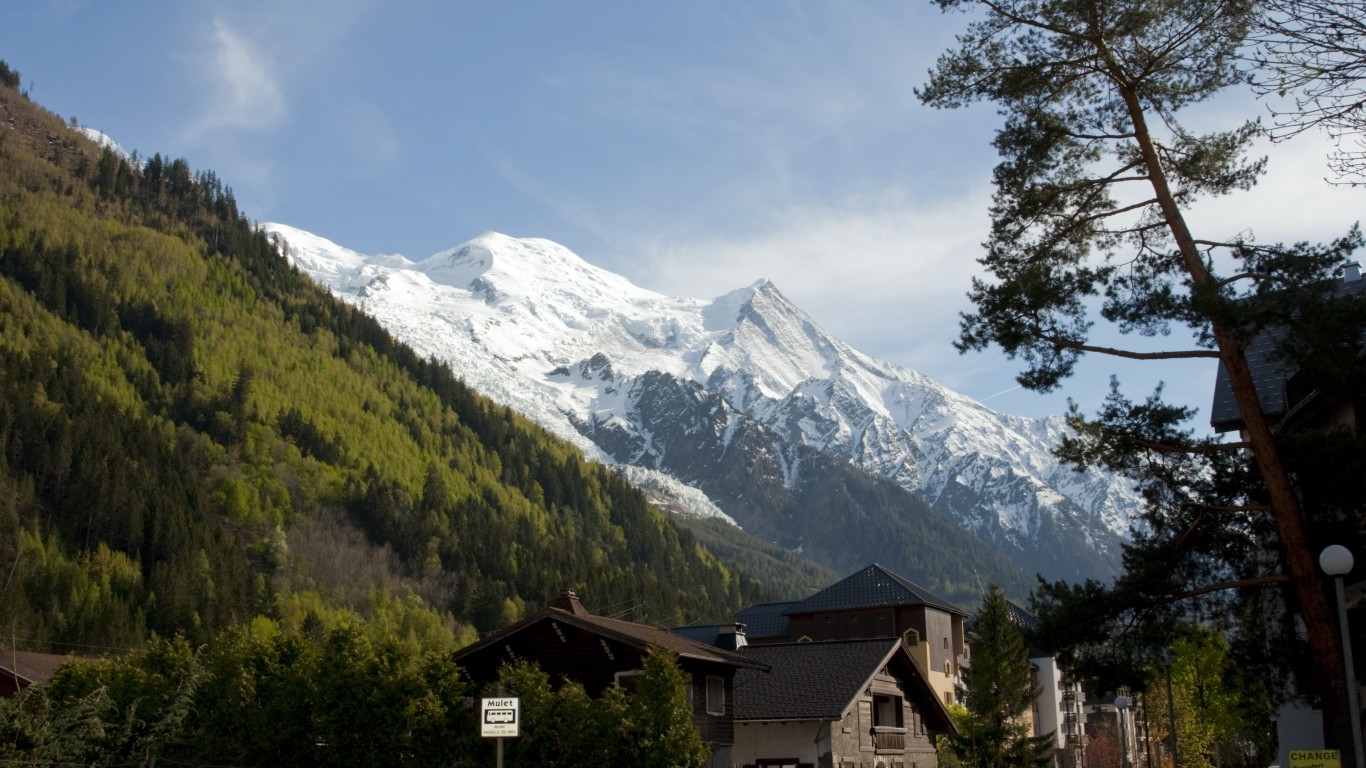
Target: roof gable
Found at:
x=822, y=680
x=637, y=636
x=808, y=681
x=872, y=587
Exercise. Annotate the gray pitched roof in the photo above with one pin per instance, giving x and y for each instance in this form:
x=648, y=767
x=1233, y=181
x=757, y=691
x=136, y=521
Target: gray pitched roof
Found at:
x=764, y=620
x=1270, y=373
x=1022, y=618
x=821, y=680
x=699, y=633
x=807, y=681
x=872, y=587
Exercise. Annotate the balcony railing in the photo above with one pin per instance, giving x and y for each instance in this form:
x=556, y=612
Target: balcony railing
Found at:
x=886, y=739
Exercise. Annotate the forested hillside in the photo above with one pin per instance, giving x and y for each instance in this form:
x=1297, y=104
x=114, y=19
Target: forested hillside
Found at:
x=193, y=434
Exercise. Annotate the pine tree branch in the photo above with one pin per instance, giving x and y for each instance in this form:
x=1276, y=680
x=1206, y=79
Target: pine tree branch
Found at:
x=1257, y=581
x=1066, y=343
x=1206, y=449
x=1237, y=509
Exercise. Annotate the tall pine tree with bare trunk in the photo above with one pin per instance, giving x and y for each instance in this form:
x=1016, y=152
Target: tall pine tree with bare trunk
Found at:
x=1089, y=224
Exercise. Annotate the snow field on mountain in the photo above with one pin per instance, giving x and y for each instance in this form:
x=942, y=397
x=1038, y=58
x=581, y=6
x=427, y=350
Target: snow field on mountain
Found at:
x=530, y=324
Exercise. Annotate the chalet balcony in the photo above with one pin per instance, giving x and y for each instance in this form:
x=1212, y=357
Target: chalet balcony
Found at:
x=888, y=739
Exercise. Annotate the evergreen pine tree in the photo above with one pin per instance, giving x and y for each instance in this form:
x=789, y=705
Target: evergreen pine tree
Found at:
x=997, y=691
x=1091, y=252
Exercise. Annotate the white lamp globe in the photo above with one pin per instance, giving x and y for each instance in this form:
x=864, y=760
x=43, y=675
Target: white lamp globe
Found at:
x=1336, y=560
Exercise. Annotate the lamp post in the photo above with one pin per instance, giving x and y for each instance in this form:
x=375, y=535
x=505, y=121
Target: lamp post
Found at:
x=1168, y=658
x=1336, y=561
x=1122, y=704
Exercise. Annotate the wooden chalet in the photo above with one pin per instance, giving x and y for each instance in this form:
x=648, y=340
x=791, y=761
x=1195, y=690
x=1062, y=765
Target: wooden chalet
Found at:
x=568, y=642
x=873, y=602
x=836, y=704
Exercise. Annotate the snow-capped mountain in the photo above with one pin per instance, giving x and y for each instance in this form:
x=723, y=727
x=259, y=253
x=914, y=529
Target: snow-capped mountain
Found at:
x=743, y=397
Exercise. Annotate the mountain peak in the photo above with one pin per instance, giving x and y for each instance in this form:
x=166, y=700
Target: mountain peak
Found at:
x=502, y=267
x=619, y=369
x=729, y=309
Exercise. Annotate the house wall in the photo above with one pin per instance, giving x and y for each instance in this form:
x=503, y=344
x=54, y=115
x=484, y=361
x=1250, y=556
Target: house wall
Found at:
x=716, y=730
x=1048, y=706
x=9, y=685
x=853, y=740
x=807, y=741
x=944, y=634
x=850, y=742
x=844, y=625
x=564, y=651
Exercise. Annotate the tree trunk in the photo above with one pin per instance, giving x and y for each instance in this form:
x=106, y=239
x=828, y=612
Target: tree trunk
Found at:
x=1324, y=648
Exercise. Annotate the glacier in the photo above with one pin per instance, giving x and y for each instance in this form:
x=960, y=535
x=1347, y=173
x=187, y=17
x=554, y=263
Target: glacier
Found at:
x=577, y=348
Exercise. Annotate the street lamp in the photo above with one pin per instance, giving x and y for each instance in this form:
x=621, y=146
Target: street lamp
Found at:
x=1168, y=658
x=1121, y=704
x=1336, y=561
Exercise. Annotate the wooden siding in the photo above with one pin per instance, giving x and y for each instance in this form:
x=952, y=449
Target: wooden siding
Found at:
x=564, y=651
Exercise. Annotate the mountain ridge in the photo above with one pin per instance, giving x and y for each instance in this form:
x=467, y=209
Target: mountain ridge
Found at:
x=574, y=347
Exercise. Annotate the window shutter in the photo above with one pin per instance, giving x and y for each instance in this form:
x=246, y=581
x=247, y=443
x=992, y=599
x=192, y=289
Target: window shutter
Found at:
x=865, y=726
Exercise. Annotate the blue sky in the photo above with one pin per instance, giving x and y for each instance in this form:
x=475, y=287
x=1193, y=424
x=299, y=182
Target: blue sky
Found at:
x=694, y=147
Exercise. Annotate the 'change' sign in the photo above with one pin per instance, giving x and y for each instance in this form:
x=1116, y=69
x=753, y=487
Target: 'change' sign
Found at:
x=1315, y=758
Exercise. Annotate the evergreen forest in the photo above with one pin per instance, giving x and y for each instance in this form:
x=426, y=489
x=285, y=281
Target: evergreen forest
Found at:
x=194, y=435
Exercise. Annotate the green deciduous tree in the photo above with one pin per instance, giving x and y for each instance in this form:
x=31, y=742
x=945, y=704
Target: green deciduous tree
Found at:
x=997, y=692
x=563, y=726
x=1089, y=224
x=1211, y=728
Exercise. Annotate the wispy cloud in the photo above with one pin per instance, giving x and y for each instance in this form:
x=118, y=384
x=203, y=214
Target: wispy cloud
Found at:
x=889, y=278
x=242, y=89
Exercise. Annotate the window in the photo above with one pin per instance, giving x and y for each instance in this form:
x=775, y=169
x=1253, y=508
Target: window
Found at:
x=716, y=695
x=887, y=712
x=628, y=679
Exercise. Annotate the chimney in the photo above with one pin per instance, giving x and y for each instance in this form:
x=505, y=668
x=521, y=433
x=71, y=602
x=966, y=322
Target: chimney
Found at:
x=569, y=601
x=1351, y=272
x=731, y=638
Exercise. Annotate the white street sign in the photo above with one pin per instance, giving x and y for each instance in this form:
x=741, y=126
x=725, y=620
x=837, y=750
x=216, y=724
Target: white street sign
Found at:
x=499, y=718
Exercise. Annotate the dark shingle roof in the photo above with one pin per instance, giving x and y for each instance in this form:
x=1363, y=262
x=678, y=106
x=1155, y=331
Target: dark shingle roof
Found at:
x=1270, y=372
x=699, y=633
x=643, y=637
x=807, y=681
x=629, y=633
x=1022, y=618
x=764, y=620
x=872, y=587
